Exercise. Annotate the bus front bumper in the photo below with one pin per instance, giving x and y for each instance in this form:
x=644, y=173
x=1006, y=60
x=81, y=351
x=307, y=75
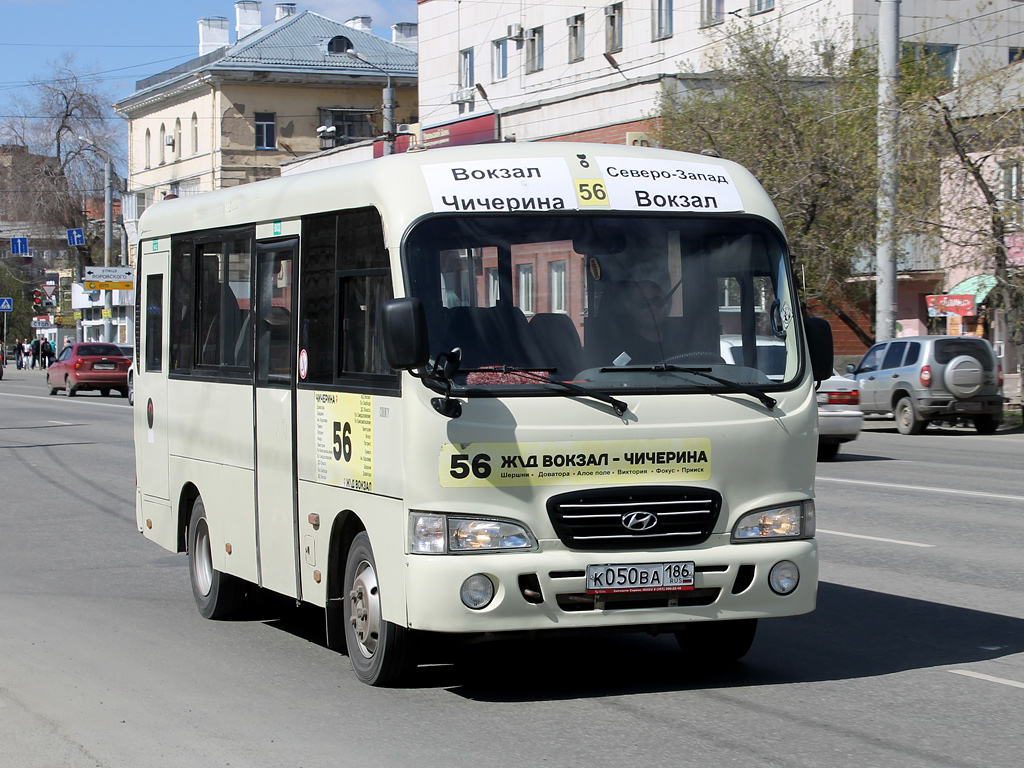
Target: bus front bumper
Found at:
x=547, y=589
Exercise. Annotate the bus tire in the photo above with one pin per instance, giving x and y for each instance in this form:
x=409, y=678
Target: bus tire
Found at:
x=721, y=642
x=381, y=652
x=216, y=594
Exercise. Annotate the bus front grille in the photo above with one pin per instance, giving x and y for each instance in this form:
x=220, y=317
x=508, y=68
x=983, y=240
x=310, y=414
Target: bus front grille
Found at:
x=637, y=518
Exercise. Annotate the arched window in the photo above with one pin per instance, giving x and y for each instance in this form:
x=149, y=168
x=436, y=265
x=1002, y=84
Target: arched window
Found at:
x=195, y=134
x=163, y=143
x=339, y=44
x=147, y=150
x=177, y=139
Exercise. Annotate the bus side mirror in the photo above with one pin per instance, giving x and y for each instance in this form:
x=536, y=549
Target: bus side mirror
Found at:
x=819, y=341
x=404, y=326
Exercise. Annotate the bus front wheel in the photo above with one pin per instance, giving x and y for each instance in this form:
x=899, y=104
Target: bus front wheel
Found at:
x=717, y=641
x=217, y=594
x=381, y=652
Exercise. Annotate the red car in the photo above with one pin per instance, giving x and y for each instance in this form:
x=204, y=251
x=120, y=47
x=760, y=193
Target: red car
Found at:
x=89, y=365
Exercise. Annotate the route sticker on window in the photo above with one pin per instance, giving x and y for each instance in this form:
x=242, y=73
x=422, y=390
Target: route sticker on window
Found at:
x=574, y=463
x=635, y=184
x=343, y=425
x=502, y=185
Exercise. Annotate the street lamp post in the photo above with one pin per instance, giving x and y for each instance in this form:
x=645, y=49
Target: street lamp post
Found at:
x=108, y=233
x=388, y=106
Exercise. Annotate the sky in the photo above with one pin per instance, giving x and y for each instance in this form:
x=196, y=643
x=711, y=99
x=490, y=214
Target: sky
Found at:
x=128, y=40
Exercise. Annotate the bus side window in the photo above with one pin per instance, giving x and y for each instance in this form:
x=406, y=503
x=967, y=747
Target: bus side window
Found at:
x=154, y=322
x=181, y=307
x=346, y=278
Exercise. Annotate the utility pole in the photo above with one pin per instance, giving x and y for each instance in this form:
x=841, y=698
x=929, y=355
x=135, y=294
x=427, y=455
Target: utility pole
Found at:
x=108, y=227
x=888, y=124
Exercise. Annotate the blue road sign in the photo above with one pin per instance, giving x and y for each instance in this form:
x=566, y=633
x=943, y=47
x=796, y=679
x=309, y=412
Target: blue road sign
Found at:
x=76, y=237
x=6, y=305
x=19, y=246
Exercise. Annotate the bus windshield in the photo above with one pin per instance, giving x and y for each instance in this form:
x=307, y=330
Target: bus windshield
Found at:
x=607, y=301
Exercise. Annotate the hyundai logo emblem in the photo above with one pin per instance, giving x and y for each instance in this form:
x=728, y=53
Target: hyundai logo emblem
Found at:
x=639, y=521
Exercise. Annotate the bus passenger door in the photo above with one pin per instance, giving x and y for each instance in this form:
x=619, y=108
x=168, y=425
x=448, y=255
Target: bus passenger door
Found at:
x=276, y=511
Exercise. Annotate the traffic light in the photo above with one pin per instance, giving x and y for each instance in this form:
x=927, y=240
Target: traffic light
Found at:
x=37, y=299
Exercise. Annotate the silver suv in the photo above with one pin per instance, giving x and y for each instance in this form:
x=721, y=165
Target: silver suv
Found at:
x=920, y=378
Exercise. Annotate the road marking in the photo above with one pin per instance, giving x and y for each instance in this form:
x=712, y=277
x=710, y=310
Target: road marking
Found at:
x=954, y=491
x=877, y=538
x=94, y=401
x=989, y=678
x=61, y=423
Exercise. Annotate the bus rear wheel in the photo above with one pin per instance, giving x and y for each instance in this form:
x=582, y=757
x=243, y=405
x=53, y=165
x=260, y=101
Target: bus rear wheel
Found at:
x=719, y=642
x=217, y=594
x=381, y=652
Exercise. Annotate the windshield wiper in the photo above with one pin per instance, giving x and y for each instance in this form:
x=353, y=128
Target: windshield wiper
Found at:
x=572, y=389
x=732, y=386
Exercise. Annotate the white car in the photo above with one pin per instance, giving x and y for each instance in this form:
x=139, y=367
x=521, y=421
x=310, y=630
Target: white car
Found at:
x=839, y=415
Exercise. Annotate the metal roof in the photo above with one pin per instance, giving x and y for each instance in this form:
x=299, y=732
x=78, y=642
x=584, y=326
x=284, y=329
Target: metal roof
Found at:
x=978, y=286
x=296, y=44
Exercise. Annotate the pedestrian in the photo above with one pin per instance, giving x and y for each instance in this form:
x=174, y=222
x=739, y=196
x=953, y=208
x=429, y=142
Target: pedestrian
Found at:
x=35, y=352
x=26, y=354
x=46, y=349
x=18, y=352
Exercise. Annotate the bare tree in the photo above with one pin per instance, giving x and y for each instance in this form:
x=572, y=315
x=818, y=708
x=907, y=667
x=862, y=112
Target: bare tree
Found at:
x=52, y=139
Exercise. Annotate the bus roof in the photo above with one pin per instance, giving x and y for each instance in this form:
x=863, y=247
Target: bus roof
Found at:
x=484, y=178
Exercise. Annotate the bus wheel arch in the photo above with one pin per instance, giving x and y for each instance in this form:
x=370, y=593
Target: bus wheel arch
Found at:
x=217, y=594
x=346, y=526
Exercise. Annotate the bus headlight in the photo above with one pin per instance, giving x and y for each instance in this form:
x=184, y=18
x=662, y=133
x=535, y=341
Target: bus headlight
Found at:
x=438, y=534
x=783, y=577
x=793, y=521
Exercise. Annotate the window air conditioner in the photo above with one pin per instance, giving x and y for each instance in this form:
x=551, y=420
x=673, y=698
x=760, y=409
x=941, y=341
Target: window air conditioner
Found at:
x=515, y=31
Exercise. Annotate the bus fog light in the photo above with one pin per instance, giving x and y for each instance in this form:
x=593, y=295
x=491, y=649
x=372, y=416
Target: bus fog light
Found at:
x=477, y=591
x=783, y=577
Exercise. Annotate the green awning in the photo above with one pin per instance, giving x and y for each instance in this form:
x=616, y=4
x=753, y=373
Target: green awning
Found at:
x=978, y=286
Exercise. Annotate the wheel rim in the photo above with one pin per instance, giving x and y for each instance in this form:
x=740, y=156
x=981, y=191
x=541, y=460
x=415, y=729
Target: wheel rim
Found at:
x=202, y=561
x=903, y=415
x=364, y=604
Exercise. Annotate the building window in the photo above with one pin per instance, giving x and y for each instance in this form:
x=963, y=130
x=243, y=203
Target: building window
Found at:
x=558, y=286
x=1015, y=55
x=940, y=60
x=348, y=124
x=147, y=151
x=712, y=12
x=466, y=69
x=760, y=6
x=613, y=28
x=163, y=144
x=526, y=288
x=1013, y=194
x=575, y=24
x=266, y=130
x=493, y=292
x=499, y=59
x=195, y=134
x=177, y=139
x=662, y=17
x=534, y=49
x=339, y=44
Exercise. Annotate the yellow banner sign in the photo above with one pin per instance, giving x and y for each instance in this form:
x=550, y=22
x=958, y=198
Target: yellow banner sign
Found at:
x=343, y=425
x=123, y=286
x=574, y=463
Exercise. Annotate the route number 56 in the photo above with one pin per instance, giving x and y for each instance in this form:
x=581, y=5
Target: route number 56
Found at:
x=461, y=466
x=342, y=441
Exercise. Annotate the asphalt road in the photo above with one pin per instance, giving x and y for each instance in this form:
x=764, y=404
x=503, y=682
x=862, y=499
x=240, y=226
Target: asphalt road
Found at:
x=915, y=656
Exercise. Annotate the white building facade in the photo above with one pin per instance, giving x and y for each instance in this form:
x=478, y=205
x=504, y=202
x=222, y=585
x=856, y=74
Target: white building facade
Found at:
x=542, y=71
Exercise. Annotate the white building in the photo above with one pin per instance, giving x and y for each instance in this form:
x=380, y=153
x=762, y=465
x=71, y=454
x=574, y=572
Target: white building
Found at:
x=536, y=71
